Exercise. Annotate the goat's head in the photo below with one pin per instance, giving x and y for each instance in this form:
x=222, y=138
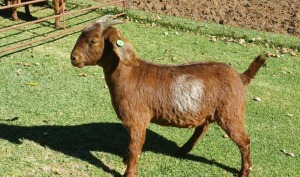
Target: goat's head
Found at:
x=99, y=37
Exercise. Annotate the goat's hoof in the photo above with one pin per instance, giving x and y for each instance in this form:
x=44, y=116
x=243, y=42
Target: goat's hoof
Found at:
x=129, y=174
x=15, y=19
x=57, y=26
x=244, y=173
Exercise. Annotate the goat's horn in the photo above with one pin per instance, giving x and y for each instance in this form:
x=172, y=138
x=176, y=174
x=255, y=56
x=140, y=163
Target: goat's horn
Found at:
x=105, y=18
x=111, y=23
x=107, y=21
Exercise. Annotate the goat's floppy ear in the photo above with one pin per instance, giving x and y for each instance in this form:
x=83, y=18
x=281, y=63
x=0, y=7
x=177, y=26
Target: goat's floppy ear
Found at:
x=123, y=49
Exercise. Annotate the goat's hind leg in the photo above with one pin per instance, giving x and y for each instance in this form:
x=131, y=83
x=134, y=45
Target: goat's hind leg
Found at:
x=188, y=146
x=235, y=129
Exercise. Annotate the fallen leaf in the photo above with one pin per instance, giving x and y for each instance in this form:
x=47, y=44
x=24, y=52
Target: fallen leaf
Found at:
x=289, y=115
x=19, y=71
x=288, y=153
x=157, y=17
x=241, y=41
x=267, y=45
x=286, y=70
x=293, y=54
x=269, y=54
x=83, y=74
x=225, y=136
x=257, y=99
x=213, y=38
x=26, y=64
x=32, y=84
x=284, y=50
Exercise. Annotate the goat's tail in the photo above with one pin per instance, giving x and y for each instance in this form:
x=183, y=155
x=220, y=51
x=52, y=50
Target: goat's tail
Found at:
x=249, y=74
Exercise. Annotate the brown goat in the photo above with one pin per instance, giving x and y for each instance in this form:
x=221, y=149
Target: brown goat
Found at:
x=58, y=6
x=189, y=95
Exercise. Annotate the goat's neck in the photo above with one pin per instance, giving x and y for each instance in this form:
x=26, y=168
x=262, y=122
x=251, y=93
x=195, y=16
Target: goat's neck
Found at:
x=110, y=64
x=117, y=74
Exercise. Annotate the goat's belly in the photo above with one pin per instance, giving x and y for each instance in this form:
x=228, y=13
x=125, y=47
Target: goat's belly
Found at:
x=182, y=122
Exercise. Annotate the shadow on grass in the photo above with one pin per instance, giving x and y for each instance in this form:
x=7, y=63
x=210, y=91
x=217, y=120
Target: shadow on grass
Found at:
x=79, y=140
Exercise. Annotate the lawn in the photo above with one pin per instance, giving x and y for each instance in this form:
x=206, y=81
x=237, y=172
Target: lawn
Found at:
x=57, y=120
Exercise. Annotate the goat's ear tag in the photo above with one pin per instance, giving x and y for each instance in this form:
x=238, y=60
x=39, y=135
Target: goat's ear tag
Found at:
x=120, y=43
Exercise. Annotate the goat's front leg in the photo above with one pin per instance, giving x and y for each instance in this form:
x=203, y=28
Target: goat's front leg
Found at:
x=137, y=135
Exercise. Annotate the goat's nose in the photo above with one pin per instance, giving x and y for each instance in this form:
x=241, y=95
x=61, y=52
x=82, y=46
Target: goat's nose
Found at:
x=74, y=57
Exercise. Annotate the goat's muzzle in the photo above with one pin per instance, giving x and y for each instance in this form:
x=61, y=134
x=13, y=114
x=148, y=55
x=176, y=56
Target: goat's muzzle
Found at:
x=77, y=60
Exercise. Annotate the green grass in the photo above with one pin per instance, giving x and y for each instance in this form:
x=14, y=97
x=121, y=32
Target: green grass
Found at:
x=56, y=122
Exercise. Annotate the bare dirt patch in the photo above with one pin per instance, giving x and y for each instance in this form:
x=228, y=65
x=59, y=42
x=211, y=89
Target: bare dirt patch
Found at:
x=279, y=16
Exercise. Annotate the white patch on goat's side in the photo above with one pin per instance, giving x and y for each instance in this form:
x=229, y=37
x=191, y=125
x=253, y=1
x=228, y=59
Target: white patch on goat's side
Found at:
x=187, y=93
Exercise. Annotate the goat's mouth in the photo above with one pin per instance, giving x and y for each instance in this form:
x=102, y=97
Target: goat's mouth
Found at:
x=77, y=61
x=77, y=64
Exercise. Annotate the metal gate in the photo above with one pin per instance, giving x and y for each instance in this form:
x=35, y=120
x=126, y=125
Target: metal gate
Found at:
x=63, y=16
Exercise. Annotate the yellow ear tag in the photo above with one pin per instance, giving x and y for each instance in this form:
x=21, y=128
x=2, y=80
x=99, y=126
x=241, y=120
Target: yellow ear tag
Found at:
x=120, y=43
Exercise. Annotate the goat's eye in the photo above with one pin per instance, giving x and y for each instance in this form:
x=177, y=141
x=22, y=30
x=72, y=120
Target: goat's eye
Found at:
x=93, y=41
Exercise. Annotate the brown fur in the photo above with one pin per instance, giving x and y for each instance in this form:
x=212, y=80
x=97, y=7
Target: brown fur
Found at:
x=142, y=92
x=57, y=7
